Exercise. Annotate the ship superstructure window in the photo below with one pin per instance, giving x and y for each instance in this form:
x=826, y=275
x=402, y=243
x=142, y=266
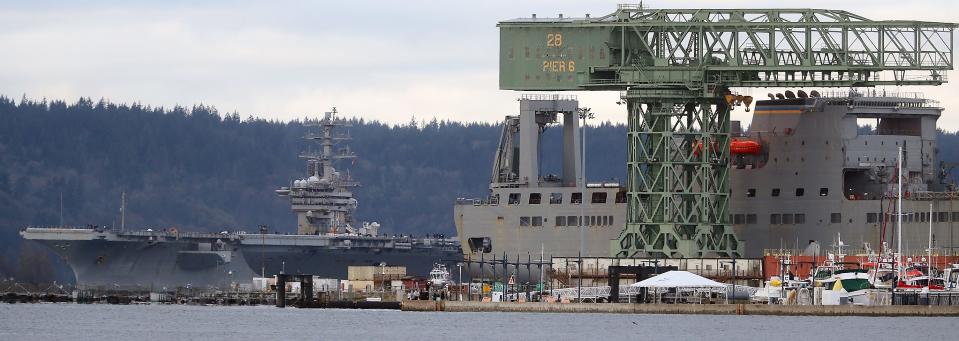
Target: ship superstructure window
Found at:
x=523, y=221
x=592, y=221
x=751, y=218
x=513, y=199
x=576, y=198
x=560, y=220
x=800, y=218
x=572, y=220
x=835, y=218
x=739, y=219
x=775, y=219
x=599, y=198
x=871, y=217
x=943, y=216
x=787, y=219
x=955, y=216
x=800, y=192
x=556, y=198
x=751, y=192
x=535, y=198
x=537, y=221
x=611, y=223
x=775, y=192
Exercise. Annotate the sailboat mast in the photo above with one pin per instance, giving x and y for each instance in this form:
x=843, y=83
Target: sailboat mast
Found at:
x=899, y=217
x=929, y=249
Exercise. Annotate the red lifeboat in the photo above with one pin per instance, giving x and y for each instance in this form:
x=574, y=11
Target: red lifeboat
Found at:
x=745, y=147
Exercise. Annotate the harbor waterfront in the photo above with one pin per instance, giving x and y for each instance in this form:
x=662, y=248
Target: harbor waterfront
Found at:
x=176, y=322
x=682, y=309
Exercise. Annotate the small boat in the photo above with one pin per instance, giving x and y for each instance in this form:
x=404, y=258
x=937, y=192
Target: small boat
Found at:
x=439, y=277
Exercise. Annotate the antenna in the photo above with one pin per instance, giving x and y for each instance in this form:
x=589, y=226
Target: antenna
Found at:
x=123, y=210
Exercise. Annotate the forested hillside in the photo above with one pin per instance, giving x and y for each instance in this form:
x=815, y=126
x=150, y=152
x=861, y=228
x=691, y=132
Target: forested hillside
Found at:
x=197, y=169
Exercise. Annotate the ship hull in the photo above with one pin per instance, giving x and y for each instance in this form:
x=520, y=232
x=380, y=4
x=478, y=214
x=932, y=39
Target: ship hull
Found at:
x=115, y=263
x=334, y=262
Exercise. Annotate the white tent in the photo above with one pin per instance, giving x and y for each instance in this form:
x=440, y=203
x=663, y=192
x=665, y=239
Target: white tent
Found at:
x=678, y=279
x=684, y=287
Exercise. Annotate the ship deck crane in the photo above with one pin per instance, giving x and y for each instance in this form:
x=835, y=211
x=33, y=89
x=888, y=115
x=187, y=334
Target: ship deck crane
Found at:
x=675, y=68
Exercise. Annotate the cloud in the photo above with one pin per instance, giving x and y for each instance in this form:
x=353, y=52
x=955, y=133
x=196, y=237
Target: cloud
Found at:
x=285, y=60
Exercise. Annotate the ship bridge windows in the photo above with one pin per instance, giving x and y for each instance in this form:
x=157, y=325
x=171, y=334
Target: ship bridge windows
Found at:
x=535, y=221
x=576, y=198
x=560, y=220
x=535, y=198
x=513, y=199
x=598, y=198
x=555, y=198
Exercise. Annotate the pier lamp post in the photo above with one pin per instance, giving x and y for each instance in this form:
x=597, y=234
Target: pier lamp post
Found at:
x=383, y=278
x=459, y=266
x=584, y=114
x=733, y=261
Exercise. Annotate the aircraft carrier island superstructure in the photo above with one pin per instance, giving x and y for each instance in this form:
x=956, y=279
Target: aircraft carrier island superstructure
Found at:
x=805, y=169
x=327, y=242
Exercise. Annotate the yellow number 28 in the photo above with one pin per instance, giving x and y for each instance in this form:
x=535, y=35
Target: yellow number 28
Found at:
x=554, y=40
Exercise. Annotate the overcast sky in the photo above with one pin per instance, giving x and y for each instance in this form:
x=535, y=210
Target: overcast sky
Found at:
x=382, y=60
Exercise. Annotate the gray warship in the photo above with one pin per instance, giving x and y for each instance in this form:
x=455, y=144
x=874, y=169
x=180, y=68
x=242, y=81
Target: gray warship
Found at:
x=804, y=170
x=327, y=242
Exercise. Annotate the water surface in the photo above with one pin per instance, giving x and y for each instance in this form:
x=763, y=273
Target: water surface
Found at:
x=179, y=322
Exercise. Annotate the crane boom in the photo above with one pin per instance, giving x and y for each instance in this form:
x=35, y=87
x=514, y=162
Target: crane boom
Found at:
x=700, y=48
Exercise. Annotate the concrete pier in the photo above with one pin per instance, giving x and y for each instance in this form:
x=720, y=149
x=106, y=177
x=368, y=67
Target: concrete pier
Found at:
x=693, y=309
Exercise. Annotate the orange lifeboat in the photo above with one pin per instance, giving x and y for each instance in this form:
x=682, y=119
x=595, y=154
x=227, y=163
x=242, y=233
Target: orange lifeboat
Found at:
x=745, y=147
x=698, y=147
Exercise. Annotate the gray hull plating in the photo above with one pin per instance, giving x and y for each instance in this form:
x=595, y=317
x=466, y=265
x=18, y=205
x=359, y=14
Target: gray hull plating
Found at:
x=333, y=263
x=110, y=261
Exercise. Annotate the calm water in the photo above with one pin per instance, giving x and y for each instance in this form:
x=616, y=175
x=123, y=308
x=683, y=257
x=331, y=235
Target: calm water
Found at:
x=168, y=322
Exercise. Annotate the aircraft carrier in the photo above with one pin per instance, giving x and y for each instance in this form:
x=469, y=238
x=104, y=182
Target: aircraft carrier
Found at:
x=805, y=169
x=325, y=244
